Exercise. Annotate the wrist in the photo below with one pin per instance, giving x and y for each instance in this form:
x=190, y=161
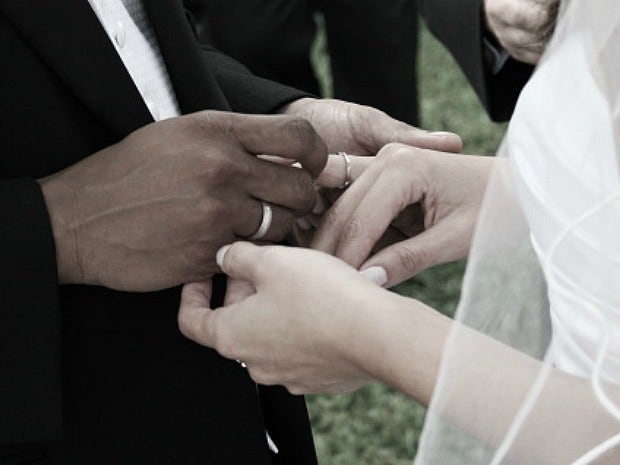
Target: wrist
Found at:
x=365, y=346
x=61, y=206
x=403, y=344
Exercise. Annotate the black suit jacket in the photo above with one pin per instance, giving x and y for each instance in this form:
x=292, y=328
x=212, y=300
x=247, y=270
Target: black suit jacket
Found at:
x=89, y=375
x=459, y=25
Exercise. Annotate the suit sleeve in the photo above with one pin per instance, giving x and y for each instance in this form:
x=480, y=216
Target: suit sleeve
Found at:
x=245, y=92
x=458, y=24
x=30, y=378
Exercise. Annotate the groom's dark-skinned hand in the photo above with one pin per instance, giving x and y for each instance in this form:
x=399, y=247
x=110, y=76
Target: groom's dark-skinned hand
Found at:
x=151, y=211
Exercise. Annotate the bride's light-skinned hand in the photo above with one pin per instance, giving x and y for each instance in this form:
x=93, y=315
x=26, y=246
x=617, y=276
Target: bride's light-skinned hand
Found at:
x=360, y=130
x=302, y=328
x=432, y=198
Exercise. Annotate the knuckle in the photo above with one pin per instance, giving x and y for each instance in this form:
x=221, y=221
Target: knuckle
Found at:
x=209, y=121
x=355, y=229
x=409, y=261
x=227, y=168
x=392, y=150
x=331, y=219
x=302, y=131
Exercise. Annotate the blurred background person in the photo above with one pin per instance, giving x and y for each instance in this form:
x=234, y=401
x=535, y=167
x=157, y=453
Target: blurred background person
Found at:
x=372, y=45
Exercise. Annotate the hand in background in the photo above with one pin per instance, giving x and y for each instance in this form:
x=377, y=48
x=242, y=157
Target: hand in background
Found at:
x=151, y=211
x=522, y=27
x=300, y=327
x=431, y=198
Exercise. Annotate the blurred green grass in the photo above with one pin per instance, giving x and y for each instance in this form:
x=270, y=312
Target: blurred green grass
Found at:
x=376, y=425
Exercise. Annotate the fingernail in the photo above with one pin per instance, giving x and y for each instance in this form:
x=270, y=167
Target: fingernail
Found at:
x=441, y=134
x=376, y=274
x=219, y=256
x=303, y=224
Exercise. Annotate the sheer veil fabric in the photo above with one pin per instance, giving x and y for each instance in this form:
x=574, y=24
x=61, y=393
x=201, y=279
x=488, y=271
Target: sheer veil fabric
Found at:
x=531, y=372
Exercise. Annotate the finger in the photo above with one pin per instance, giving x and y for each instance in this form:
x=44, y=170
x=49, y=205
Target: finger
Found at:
x=283, y=136
x=525, y=56
x=384, y=130
x=334, y=174
x=283, y=185
x=250, y=220
x=437, y=245
x=328, y=236
x=531, y=17
x=393, y=191
x=237, y=290
x=243, y=261
x=513, y=39
x=195, y=313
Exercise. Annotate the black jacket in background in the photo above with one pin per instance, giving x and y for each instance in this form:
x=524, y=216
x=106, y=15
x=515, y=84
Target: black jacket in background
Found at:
x=459, y=25
x=92, y=376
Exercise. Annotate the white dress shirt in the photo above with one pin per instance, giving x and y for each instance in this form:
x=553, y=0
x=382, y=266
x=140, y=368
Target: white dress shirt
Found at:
x=127, y=26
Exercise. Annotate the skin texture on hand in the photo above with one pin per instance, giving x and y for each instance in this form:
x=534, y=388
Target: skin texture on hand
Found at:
x=522, y=27
x=299, y=289
x=313, y=325
x=363, y=130
x=358, y=130
x=151, y=211
x=431, y=198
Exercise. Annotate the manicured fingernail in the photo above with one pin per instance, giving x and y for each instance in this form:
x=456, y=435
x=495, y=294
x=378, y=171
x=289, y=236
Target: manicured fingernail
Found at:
x=441, y=134
x=296, y=165
x=303, y=224
x=219, y=256
x=376, y=274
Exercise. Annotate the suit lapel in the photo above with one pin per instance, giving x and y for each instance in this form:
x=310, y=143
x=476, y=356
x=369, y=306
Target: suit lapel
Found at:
x=194, y=84
x=70, y=39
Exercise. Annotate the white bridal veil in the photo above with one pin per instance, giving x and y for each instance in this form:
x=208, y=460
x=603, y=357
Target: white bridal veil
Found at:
x=531, y=372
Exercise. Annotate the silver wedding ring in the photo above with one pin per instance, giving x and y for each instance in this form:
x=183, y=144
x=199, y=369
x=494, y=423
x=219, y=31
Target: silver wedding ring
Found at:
x=265, y=223
x=347, y=169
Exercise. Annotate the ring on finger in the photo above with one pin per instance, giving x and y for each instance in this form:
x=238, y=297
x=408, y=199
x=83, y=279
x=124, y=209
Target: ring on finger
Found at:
x=265, y=223
x=347, y=169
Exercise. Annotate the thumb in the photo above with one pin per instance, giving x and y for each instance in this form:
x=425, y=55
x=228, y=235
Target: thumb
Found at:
x=388, y=130
x=241, y=260
x=195, y=313
x=406, y=259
